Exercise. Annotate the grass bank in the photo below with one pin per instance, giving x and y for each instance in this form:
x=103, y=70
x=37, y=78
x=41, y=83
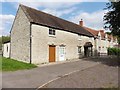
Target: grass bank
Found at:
x=13, y=65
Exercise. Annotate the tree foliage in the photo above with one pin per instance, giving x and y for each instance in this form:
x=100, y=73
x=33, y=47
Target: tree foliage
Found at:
x=4, y=39
x=112, y=17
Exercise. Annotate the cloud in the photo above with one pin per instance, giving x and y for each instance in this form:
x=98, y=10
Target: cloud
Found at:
x=6, y=21
x=93, y=20
x=7, y=18
x=60, y=12
x=50, y=5
x=54, y=8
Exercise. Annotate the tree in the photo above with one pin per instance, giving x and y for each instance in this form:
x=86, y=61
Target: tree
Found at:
x=5, y=39
x=112, y=17
x=109, y=33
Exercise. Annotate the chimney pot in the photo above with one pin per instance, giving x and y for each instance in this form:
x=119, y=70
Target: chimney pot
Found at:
x=81, y=23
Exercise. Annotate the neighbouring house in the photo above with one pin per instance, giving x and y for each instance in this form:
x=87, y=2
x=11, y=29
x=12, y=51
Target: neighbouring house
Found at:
x=38, y=37
x=101, y=40
x=6, y=49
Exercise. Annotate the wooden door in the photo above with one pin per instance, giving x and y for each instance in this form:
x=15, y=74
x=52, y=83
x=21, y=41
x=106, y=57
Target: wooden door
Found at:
x=51, y=53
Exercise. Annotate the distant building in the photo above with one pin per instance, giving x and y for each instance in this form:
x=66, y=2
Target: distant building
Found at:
x=102, y=40
x=6, y=49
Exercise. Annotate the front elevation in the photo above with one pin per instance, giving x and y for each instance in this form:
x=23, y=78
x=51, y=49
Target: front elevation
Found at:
x=61, y=46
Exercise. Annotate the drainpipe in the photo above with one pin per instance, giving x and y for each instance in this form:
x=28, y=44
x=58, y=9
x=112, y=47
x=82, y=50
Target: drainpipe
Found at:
x=30, y=44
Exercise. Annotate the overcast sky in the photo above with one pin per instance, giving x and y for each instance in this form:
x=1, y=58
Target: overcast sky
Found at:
x=91, y=12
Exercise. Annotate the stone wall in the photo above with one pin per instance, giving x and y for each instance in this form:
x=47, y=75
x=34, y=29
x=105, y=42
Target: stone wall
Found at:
x=20, y=37
x=41, y=41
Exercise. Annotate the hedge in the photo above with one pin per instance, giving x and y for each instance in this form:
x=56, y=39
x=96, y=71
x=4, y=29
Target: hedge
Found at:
x=113, y=51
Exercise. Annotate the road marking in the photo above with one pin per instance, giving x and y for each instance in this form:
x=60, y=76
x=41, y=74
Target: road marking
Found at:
x=65, y=75
x=48, y=83
x=57, y=78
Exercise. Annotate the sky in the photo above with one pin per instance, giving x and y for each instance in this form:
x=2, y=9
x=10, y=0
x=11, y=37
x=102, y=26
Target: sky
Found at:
x=91, y=12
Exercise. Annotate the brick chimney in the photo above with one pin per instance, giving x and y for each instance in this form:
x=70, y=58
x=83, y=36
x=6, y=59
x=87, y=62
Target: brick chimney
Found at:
x=81, y=23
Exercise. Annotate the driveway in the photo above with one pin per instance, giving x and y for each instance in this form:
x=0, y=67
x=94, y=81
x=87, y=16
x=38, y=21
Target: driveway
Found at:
x=37, y=77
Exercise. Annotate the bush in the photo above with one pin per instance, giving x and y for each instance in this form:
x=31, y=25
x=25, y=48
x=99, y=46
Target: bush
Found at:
x=114, y=51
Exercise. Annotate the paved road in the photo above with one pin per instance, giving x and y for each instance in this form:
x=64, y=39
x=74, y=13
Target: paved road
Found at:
x=100, y=76
x=36, y=77
x=39, y=76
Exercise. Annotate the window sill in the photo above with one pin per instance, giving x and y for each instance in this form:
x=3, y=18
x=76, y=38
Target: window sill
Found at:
x=80, y=39
x=52, y=36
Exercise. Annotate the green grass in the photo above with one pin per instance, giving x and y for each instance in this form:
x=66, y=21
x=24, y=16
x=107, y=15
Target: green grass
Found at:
x=13, y=65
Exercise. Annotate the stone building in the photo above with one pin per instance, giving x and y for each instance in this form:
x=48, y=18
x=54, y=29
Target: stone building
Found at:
x=102, y=40
x=38, y=37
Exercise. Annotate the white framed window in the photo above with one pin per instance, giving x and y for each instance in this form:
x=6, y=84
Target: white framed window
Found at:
x=51, y=31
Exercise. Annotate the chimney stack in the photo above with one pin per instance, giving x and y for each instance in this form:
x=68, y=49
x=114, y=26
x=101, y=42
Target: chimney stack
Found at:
x=81, y=23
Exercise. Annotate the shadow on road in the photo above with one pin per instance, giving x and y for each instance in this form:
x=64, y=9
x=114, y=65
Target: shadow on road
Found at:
x=107, y=60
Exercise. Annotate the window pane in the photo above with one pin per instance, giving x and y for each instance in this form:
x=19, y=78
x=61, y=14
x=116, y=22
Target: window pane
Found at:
x=53, y=32
x=50, y=31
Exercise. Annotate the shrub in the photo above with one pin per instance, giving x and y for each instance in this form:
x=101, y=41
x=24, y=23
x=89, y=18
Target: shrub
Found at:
x=114, y=51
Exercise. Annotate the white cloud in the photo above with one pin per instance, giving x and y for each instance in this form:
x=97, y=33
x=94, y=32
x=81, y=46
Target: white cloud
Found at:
x=60, y=12
x=50, y=5
x=7, y=18
x=6, y=21
x=93, y=20
x=55, y=8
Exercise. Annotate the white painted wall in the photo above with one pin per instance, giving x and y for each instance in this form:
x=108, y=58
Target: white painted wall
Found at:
x=6, y=50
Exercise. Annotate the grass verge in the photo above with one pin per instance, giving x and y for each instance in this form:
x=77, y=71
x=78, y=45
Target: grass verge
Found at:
x=13, y=65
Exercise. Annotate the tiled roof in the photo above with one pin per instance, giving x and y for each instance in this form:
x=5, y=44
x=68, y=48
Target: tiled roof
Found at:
x=95, y=33
x=41, y=18
x=92, y=31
